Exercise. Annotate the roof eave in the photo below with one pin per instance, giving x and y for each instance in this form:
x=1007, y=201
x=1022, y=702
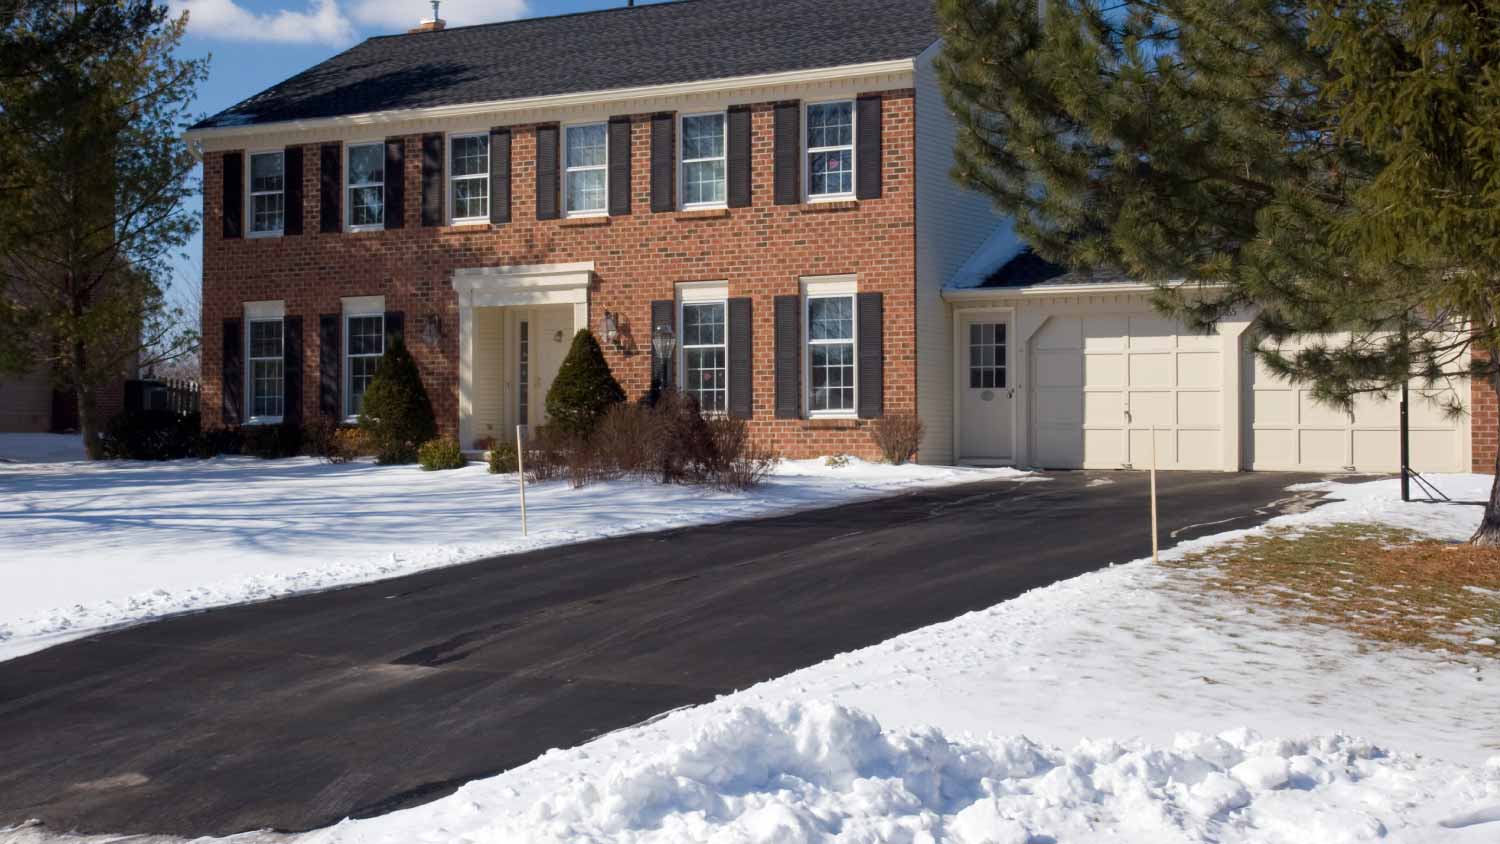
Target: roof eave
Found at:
x=704, y=86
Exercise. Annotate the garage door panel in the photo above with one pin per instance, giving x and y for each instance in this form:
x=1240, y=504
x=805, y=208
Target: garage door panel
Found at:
x=1152, y=408
x=1200, y=409
x=1198, y=369
x=1275, y=407
x=1106, y=370
x=1322, y=448
x=1104, y=447
x=1310, y=412
x=1104, y=333
x=1274, y=448
x=1436, y=448
x=1060, y=407
x=1152, y=332
x=1060, y=447
x=1140, y=448
x=1103, y=407
x=1198, y=447
x=1428, y=412
x=1060, y=333
x=1059, y=368
x=1377, y=450
x=1151, y=370
x=1372, y=409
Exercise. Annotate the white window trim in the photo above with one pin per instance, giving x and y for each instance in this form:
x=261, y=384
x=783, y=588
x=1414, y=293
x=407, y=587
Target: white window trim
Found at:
x=348, y=186
x=355, y=307
x=682, y=163
x=703, y=293
x=568, y=171
x=451, y=179
x=251, y=193
x=808, y=150
x=269, y=311
x=828, y=287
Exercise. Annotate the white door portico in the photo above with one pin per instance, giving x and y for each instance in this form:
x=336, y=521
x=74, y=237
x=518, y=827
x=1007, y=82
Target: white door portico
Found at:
x=502, y=372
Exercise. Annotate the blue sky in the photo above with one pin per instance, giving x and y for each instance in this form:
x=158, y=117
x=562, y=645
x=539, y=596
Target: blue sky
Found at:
x=253, y=44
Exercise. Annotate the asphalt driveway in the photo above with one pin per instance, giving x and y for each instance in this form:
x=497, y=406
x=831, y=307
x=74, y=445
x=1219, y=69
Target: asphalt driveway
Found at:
x=296, y=713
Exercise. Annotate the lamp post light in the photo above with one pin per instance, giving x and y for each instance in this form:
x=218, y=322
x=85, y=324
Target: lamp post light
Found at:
x=664, y=343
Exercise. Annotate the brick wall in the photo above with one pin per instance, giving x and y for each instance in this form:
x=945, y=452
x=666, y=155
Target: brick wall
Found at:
x=761, y=251
x=1484, y=423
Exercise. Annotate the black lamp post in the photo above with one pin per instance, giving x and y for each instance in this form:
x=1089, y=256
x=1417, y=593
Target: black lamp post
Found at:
x=663, y=343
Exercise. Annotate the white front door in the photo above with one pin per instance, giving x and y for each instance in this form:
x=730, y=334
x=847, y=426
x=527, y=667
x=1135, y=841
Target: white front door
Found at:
x=986, y=390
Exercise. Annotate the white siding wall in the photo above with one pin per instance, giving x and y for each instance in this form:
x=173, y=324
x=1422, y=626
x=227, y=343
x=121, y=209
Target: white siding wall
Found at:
x=951, y=224
x=489, y=372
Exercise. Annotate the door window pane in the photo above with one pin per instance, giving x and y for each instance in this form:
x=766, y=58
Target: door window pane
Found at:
x=987, y=356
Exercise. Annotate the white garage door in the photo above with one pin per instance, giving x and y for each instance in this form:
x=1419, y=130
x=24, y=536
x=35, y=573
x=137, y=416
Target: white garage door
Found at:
x=1290, y=431
x=1100, y=382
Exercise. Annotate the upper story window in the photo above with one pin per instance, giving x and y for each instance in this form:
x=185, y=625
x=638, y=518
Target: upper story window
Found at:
x=469, y=178
x=830, y=150
x=585, y=165
x=266, y=364
x=366, y=185
x=267, y=193
x=830, y=355
x=703, y=174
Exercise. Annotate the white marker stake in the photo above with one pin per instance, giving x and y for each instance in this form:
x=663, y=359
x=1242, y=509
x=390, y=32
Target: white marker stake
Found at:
x=521, y=474
x=1155, y=543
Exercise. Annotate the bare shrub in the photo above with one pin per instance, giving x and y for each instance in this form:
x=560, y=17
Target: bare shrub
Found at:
x=687, y=451
x=737, y=464
x=628, y=441
x=898, y=436
x=547, y=454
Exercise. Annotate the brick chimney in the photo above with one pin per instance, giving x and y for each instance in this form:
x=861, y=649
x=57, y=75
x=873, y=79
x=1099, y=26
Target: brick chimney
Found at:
x=432, y=24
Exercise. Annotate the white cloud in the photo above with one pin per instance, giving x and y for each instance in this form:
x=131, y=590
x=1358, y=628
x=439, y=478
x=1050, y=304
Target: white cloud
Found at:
x=322, y=22
x=388, y=16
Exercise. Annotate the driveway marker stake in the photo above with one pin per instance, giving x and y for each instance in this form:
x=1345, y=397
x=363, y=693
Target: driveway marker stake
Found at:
x=1155, y=543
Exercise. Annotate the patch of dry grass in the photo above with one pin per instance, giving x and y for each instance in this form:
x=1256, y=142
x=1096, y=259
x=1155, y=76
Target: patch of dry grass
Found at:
x=1384, y=585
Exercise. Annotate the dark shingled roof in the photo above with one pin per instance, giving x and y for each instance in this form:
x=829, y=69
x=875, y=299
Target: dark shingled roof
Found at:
x=658, y=44
x=1029, y=269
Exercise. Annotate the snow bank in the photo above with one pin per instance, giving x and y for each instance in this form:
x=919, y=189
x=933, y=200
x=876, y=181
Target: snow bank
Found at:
x=89, y=546
x=805, y=773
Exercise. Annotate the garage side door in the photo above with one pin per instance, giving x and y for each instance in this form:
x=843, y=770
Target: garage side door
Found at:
x=1100, y=382
x=1290, y=431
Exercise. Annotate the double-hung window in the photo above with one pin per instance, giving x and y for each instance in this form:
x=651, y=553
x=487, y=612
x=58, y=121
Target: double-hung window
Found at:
x=830, y=355
x=586, y=154
x=267, y=194
x=363, y=345
x=266, y=362
x=366, y=169
x=469, y=179
x=830, y=150
x=705, y=354
x=703, y=171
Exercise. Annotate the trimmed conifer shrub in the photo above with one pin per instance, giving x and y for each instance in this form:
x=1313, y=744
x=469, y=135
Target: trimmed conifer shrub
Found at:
x=584, y=389
x=397, y=414
x=440, y=455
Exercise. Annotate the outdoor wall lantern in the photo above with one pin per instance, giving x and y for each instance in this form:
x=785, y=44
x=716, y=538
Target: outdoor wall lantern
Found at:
x=432, y=329
x=611, y=329
x=663, y=342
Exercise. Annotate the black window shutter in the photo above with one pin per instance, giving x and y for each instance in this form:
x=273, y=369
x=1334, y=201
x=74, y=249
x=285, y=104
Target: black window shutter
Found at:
x=293, y=170
x=663, y=162
x=432, y=180
x=663, y=312
x=395, y=328
x=499, y=176
x=619, y=166
x=291, y=369
x=232, y=372
x=787, y=154
x=330, y=188
x=546, y=172
x=395, y=183
x=234, y=194
x=738, y=163
x=741, y=372
x=867, y=147
x=871, y=355
x=788, y=357
x=330, y=364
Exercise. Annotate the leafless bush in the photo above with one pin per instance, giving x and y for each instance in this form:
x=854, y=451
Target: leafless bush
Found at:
x=628, y=441
x=546, y=455
x=737, y=463
x=898, y=436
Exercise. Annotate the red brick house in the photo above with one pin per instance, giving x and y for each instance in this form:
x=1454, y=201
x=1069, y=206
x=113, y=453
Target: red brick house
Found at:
x=766, y=181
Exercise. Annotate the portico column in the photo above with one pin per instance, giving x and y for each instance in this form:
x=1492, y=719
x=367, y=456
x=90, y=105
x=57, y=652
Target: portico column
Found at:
x=465, y=369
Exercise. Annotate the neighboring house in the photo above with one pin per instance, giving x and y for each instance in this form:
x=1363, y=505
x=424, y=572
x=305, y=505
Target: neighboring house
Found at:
x=765, y=180
x=29, y=404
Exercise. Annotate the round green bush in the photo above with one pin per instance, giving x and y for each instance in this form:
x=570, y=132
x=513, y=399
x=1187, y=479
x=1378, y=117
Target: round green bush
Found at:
x=439, y=455
x=584, y=389
x=397, y=414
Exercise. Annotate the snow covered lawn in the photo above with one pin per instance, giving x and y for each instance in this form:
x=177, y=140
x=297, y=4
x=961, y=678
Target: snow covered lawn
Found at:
x=95, y=545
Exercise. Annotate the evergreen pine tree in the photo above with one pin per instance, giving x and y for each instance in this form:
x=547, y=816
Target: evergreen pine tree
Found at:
x=396, y=413
x=584, y=388
x=1327, y=166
